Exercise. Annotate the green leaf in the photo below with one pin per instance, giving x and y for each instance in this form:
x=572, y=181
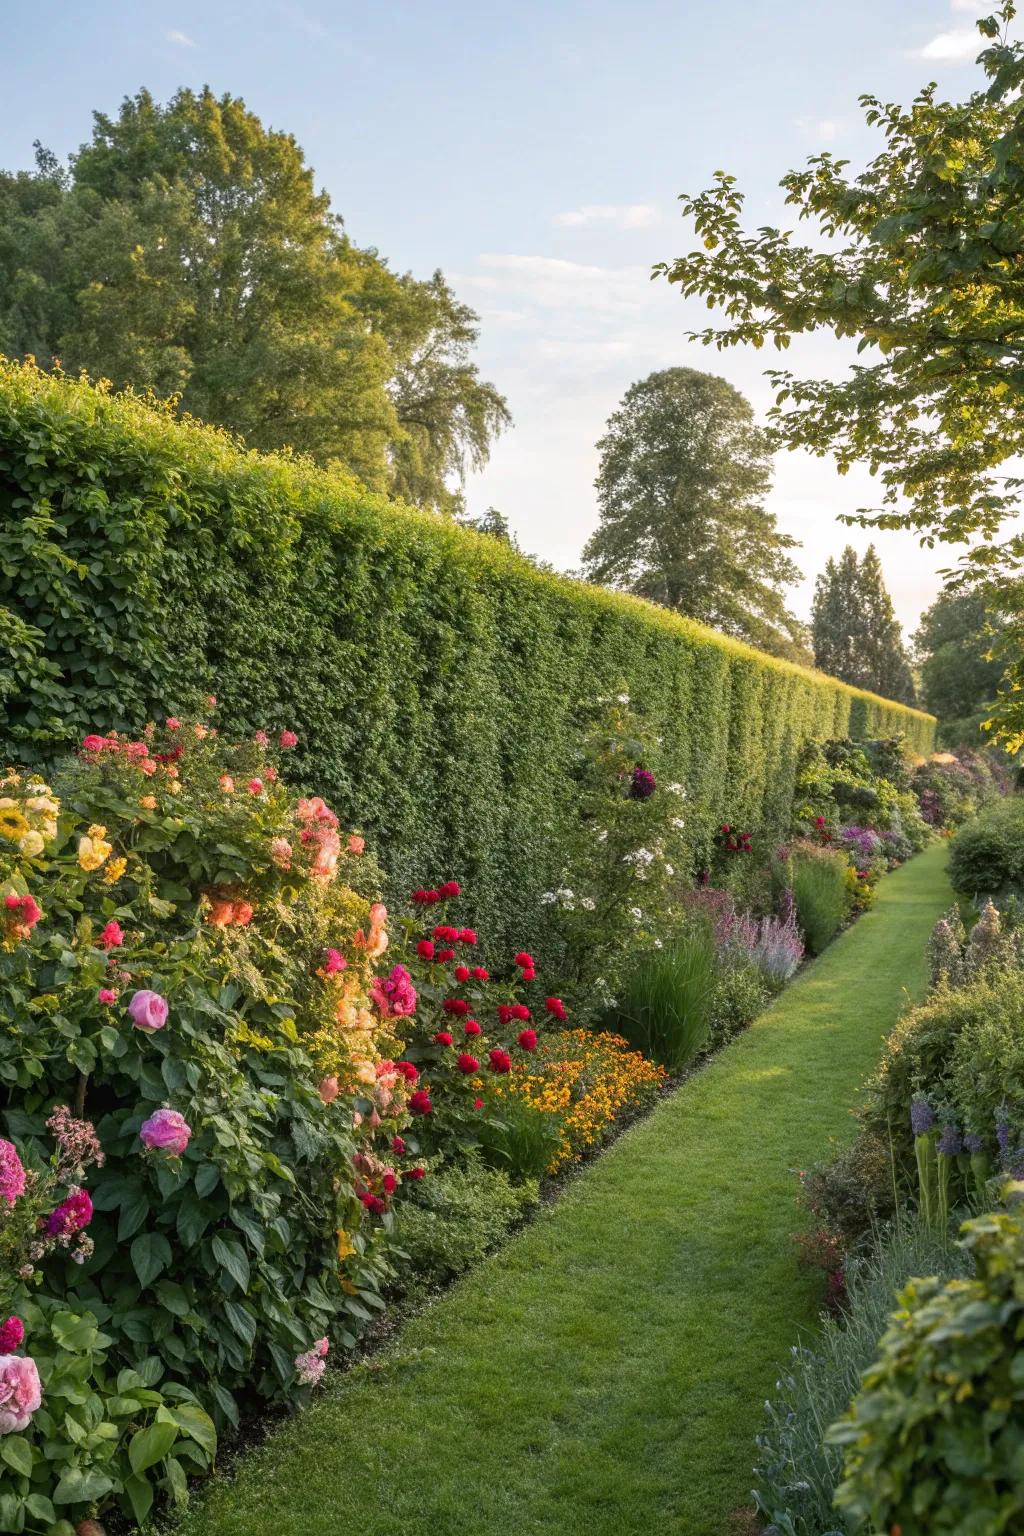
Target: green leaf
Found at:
x=151, y=1254
x=73, y=1333
x=230, y=1255
x=172, y=1297
x=140, y=1496
x=243, y=1323
x=17, y=1453
x=40, y=1508
x=80, y=1485
x=177, y=1480
x=207, y=1178
x=196, y=1422
x=148, y=1446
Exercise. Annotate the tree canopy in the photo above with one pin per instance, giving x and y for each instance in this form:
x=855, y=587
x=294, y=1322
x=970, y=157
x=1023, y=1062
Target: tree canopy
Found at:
x=918, y=261
x=683, y=475
x=185, y=250
x=856, y=635
x=954, y=644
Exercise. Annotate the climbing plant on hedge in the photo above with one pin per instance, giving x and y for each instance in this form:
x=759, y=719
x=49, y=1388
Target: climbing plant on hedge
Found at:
x=433, y=674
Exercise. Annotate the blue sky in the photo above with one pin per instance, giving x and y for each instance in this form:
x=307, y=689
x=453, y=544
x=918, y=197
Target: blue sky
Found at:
x=534, y=152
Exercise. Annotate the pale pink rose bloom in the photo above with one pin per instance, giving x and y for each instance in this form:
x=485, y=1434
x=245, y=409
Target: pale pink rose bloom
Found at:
x=329, y=1089
x=20, y=1392
x=166, y=1130
x=148, y=1011
x=281, y=852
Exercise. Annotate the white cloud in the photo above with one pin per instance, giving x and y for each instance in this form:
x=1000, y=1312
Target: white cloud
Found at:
x=182, y=39
x=825, y=130
x=954, y=47
x=619, y=215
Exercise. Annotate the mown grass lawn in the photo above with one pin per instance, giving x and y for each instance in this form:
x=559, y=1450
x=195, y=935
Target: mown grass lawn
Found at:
x=603, y=1374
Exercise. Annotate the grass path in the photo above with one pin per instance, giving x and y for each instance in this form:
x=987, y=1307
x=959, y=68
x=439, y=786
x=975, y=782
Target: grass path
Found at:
x=603, y=1374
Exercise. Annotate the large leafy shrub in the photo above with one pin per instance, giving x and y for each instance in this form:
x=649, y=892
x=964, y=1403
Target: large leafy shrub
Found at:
x=452, y=1221
x=150, y=558
x=934, y=1440
x=986, y=857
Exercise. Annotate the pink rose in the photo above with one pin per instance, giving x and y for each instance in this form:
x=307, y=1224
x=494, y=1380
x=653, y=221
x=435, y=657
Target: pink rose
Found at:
x=71, y=1216
x=112, y=936
x=12, y=1334
x=20, y=1392
x=255, y=786
x=355, y=843
x=288, y=739
x=12, y=1173
x=107, y=995
x=93, y=743
x=166, y=1130
x=148, y=1011
x=173, y=723
x=329, y=1090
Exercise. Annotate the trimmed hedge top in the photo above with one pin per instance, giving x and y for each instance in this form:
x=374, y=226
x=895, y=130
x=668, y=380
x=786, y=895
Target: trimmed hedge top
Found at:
x=432, y=673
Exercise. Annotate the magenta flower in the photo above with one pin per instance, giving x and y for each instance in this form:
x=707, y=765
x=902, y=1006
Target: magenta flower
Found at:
x=71, y=1215
x=12, y=1174
x=166, y=1130
x=148, y=1011
x=288, y=739
x=20, y=1392
x=12, y=1334
x=395, y=994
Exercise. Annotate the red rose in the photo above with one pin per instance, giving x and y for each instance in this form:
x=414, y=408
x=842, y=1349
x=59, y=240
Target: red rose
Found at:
x=398, y=1146
x=462, y=973
x=416, y=1173
x=444, y=955
x=425, y=949
x=479, y=974
x=443, y=1038
x=389, y=1183
x=467, y=1063
x=478, y=1103
x=519, y=1011
x=376, y=1205
x=523, y=958
x=451, y=888
x=456, y=1005
x=500, y=1060
x=408, y=1071
x=505, y=1014
x=467, y=935
x=555, y=1007
x=528, y=1039
x=472, y=1027
x=112, y=936
x=446, y=932
x=419, y=1102
x=529, y=974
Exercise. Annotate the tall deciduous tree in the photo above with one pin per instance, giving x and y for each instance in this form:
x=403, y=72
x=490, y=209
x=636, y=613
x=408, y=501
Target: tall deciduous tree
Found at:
x=953, y=643
x=856, y=634
x=188, y=251
x=919, y=261
x=683, y=476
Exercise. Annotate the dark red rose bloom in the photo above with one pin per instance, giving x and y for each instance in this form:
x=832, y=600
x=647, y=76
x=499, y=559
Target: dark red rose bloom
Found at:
x=505, y=1014
x=472, y=1027
x=642, y=784
x=462, y=973
x=443, y=1038
x=479, y=974
x=446, y=932
x=12, y=1333
x=408, y=1071
x=423, y=898
x=528, y=1039
x=467, y=935
x=528, y=973
x=416, y=1173
x=519, y=1011
x=451, y=888
x=478, y=1103
x=419, y=1102
x=425, y=949
x=389, y=1183
x=444, y=955
x=457, y=1006
x=467, y=1063
x=726, y=829
x=500, y=1060
x=376, y=1205
x=398, y=1146
x=523, y=958
x=555, y=1007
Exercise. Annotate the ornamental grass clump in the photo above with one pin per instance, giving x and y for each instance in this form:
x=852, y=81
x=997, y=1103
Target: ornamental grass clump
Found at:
x=822, y=893
x=665, y=1007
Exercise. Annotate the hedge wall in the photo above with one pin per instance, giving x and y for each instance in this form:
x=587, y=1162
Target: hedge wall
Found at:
x=431, y=673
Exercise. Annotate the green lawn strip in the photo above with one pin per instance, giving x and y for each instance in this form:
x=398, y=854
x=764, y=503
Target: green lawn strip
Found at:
x=605, y=1371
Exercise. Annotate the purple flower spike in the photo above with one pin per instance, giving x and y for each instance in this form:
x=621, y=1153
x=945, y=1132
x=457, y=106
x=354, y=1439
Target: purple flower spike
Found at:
x=922, y=1117
x=973, y=1143
x=950, y=1142
x=1003, y=1134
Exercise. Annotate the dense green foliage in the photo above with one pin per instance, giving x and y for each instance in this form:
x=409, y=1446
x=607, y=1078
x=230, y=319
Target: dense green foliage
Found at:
x=987, y=855
x=797, y=1471
x=821, y=891
x=187, y=251
x=935, y=1438
x=433, y=675
x=953, y=643
x=683, y=477
x=916, y=259
x=453, y=1220
x=856, y=634
x=665, y=1007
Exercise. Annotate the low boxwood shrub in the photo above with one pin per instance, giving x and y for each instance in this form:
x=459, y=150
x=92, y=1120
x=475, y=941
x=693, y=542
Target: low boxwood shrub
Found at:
x=934, y=1440
x=740, y=993
x=453, y=1219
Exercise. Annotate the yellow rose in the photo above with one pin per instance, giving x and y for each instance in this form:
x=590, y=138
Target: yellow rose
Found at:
x=114, y=870
x=148, y=802
x=31, y=844
x=93, y=850
x=346, y=1247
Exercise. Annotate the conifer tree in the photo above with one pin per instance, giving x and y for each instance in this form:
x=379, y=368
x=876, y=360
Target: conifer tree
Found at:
x=856, y=634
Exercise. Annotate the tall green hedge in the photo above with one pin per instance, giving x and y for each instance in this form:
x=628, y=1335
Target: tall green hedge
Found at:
x=432, y=674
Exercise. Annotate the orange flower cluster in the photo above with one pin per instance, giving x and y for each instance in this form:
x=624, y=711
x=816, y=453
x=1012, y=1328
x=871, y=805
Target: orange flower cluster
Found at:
x=586, y=1080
